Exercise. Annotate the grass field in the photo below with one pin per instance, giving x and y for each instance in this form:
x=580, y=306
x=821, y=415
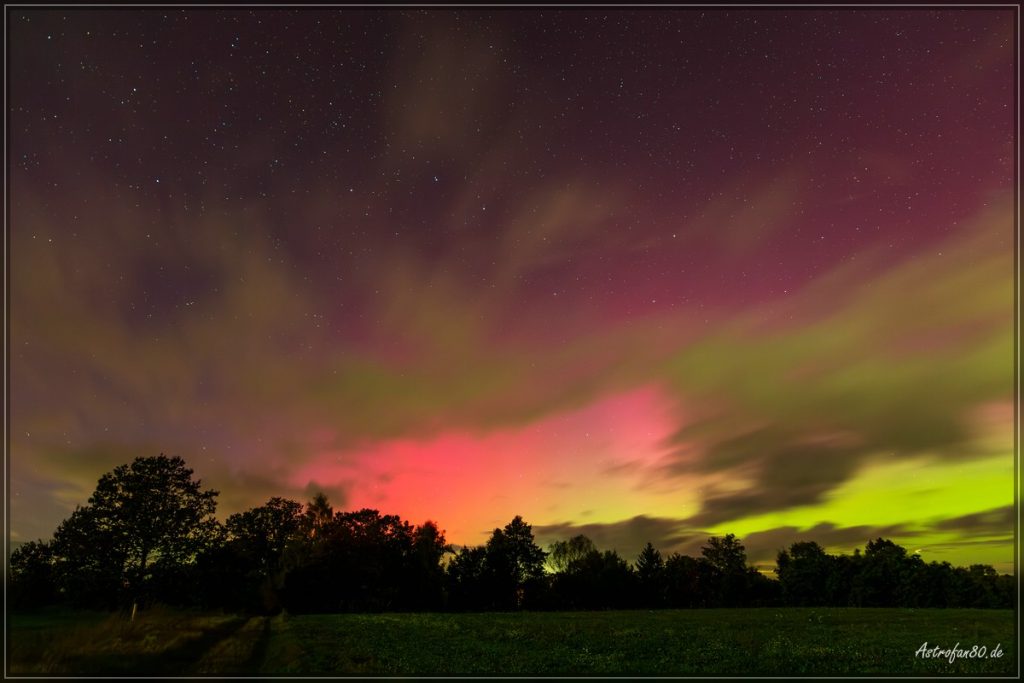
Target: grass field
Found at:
x=671, y=642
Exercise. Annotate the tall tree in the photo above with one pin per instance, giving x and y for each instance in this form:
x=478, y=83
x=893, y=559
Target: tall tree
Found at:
x=149, y=510
x=514, y=561
x=425, y=581
x=319, y=514
x=726, y=554
x=728, y=558
x=650, y=570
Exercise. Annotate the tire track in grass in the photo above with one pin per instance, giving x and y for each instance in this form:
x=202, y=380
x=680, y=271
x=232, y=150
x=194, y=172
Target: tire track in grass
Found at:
x=282, y=652
x=176, y=660
x=240, y=652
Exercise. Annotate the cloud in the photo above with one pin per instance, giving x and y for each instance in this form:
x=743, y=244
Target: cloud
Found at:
x=628, y=537
x=474, y=249
x=242, y=489
x=787, y=406
x=996, y=521
x=899, y=367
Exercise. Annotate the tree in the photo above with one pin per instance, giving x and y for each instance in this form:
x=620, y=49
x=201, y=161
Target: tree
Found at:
x=689, y=581
x=368, y=556
x=364, y=561
x=760, y=591
x=262, y=532
x=466, y=578
x=650, y=569
x=88, y=561
x=803, y=573
x=980, y=586
x=880, y=575
x=316, y=524
x=319, y=514
x=728, y=558
x=32, y=576
x=935, y=584
x=727, y=554
x=595, y=581
x=259, y=536
x=514, y=562
x=839, y=584
x=563, y=553
x=425, y=580
x=143, y=512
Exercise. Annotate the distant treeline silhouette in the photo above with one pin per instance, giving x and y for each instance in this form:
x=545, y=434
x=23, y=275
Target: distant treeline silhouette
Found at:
x=148, y=534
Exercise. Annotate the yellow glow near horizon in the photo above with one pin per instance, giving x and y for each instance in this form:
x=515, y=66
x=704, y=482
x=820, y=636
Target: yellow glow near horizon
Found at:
x=916, y=494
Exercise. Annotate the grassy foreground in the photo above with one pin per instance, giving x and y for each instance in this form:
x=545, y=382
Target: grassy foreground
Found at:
x=670, y=642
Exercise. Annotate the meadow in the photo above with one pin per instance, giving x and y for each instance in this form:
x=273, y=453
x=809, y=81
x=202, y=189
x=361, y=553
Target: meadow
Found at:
x=764, y=641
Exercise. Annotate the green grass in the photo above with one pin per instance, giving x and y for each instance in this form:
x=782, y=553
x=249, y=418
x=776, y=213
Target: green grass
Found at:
x=670, y=642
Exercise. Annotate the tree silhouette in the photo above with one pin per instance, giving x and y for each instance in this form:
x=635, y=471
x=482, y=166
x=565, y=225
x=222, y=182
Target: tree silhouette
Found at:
x=370, y=553
x=148, y=533
x=650, y=569
x=728, y=558
x=32, y=577
x=319, y=514
x=259, y=535
x=89, y=562
x=803, y=574
x=882, y=571
x=689, y=581
x=727, y=554
x=425, y=583
x=467, y=581
x=262, y=532
x=140, y=513
x=595, y=581
x=561, y=554
x=514, y=562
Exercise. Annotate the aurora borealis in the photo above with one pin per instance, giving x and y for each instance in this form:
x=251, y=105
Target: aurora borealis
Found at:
x=648, y=275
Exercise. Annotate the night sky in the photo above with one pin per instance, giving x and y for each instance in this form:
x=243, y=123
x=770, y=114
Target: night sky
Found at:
x=643, y=275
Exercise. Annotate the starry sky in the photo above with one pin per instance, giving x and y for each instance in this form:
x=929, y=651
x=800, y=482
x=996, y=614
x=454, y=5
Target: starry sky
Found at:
x=647, y=275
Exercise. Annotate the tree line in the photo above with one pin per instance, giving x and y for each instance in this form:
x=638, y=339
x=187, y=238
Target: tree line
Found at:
x=148, y=535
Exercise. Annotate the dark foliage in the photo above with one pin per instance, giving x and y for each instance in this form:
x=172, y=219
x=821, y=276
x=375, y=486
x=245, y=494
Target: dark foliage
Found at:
x=148, y=534
x=363, y=561
x=145, y=523
x=32, y=576
x=651, y=577
x=886, y=576
x=596, y=580
x=467, y=583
